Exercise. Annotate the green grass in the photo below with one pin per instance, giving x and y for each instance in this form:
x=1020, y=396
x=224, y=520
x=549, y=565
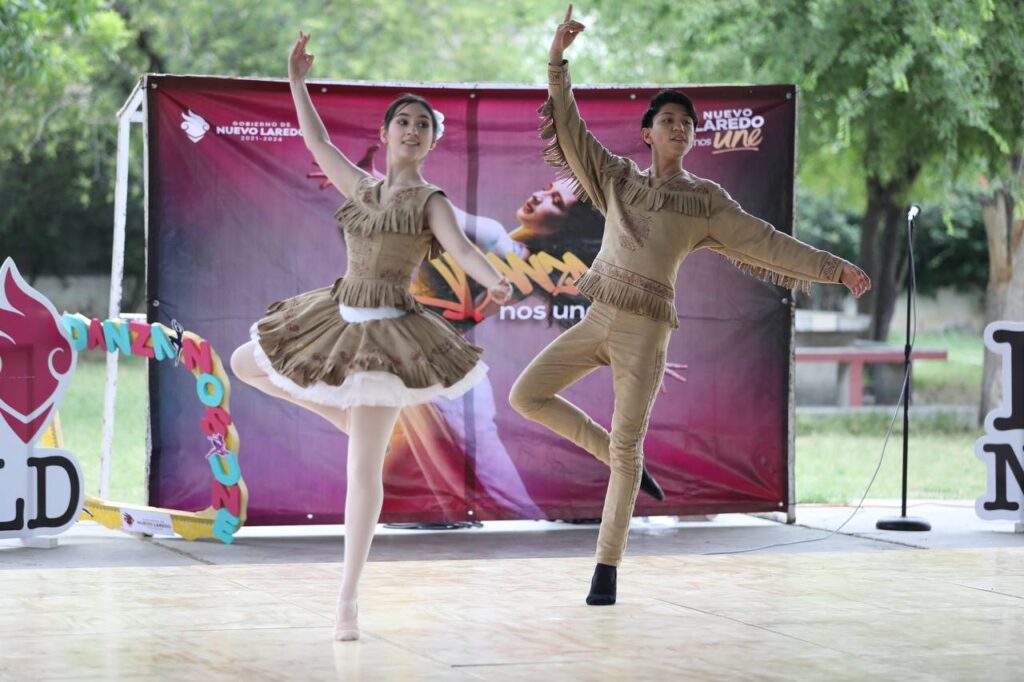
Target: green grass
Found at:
x=957, y=381
x=835, y=454
x=81, y=415
x=835, y=458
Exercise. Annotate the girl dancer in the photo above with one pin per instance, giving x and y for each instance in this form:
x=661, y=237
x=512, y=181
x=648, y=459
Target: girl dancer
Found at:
x=358, y=351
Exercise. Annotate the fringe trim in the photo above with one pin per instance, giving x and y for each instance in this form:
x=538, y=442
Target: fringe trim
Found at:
x=603, y=289
x=629, y=187
x=552, y=153
x=366, y=388
x=399, y=218
x=772, y=277
x=632, y=190
x=373, y=293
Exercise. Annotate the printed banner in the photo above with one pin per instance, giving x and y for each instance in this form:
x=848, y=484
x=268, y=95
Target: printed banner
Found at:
x=241, y=216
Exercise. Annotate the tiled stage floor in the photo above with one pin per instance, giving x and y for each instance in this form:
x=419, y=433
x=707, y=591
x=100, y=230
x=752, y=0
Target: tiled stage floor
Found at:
x=853, y=615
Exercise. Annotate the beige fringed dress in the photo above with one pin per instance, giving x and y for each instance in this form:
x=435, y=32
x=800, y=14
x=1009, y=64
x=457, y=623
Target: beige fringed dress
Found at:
x=365, y=340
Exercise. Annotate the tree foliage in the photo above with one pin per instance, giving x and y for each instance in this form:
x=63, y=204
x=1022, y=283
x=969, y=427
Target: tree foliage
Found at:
x=69, y=66
x=899, y=101
x=881, y=82
x=911, y=99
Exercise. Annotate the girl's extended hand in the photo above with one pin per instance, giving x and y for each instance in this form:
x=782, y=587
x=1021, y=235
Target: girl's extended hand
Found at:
x=502, y=292
x=300, y=61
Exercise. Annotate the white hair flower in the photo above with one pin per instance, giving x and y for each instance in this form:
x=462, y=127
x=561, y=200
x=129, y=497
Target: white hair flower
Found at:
x=439, y=118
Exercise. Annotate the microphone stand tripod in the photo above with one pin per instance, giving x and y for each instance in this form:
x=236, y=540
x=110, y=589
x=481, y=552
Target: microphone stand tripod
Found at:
x=904, y=522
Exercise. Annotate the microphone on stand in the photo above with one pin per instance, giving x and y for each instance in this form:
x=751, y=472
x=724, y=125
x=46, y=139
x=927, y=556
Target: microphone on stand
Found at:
x=904, y=522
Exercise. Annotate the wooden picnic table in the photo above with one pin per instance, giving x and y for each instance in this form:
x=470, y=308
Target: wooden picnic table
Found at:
x=857, y=356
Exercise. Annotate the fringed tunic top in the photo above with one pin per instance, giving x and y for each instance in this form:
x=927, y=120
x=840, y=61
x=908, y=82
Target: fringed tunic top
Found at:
x=649, y=231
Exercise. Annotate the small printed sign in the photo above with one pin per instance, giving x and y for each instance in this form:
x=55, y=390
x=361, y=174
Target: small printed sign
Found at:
x=148, y=522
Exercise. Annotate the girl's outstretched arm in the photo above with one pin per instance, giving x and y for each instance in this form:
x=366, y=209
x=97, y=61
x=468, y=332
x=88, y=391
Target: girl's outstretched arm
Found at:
x=445, y=226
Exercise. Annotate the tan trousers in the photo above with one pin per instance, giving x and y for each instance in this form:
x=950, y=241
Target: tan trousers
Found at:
x=634, y=347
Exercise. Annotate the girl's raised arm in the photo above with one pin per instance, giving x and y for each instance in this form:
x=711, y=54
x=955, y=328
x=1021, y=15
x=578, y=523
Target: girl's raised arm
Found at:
x=336, y=166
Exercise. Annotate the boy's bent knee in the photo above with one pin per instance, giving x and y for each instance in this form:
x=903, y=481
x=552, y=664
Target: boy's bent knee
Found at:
x=524, y=401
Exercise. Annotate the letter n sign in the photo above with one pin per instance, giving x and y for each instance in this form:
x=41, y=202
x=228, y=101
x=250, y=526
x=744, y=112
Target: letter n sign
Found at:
x=1002, y=446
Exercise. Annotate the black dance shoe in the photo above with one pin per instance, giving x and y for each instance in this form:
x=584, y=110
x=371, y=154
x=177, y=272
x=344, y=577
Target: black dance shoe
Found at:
x=650, y=486
x=602, y=586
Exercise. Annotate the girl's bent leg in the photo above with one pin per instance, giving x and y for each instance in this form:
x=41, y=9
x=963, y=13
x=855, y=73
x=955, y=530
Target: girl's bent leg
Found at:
x=245, y=367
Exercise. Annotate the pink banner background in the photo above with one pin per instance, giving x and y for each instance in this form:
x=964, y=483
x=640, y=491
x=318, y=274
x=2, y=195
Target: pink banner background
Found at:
x=238, y=218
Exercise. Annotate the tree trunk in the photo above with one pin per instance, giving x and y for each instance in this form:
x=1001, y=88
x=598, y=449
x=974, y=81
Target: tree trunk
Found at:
x=882, y=248
x=1004, y=296
x=157, y=63
x=868, y=237
x=893, y=240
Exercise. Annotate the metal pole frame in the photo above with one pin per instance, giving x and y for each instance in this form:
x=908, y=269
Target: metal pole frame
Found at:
x=790, y=503
x=131, y=112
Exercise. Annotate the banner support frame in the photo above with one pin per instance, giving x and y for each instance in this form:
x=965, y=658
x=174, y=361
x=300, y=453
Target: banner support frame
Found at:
x=130, y=113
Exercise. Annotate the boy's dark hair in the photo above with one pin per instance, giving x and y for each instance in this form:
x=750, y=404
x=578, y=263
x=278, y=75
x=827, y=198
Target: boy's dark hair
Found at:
x=667, y=97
